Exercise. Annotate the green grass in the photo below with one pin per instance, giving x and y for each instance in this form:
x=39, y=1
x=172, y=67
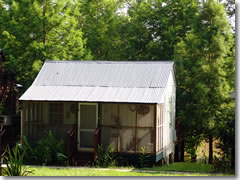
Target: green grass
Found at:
x=186, y=167
x=105, y=172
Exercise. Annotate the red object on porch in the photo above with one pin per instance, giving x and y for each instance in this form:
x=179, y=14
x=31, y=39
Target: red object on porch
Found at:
x=96, y=141
x=71, y=141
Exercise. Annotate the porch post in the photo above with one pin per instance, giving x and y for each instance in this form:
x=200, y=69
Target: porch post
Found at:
x=155, y=129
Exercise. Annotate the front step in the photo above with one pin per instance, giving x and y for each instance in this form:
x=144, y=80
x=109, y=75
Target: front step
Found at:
x=83, y=159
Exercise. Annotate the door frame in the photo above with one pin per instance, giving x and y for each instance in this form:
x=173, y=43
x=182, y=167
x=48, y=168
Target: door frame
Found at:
x=79, y=120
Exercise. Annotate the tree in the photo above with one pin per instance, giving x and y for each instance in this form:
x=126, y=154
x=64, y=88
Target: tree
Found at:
x=156, y=26
x=99, y=20
x=33, y=31
x=201, y=72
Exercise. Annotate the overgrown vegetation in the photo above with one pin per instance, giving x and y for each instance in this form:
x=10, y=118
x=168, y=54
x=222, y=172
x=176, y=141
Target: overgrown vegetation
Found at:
x=46, y=151
x=14, y=161
x=204, y=76
x=106, y=156
x=195, y=34
x=142, y=158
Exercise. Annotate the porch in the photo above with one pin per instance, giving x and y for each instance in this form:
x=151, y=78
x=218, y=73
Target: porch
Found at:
x=83, y=126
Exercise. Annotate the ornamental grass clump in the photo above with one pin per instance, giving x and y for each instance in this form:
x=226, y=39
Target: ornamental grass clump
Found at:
x=14, y=161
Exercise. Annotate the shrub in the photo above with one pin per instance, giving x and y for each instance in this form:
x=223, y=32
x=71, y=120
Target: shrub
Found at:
x=14, y=160
x=46, y=151
x=142, y=158
x=106, y=156
x=222, y=165
x=30, y=157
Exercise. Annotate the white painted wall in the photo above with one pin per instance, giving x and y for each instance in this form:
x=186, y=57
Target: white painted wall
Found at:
x=169, y=129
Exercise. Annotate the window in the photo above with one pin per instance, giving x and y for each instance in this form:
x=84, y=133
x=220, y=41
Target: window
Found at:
x=56, y=114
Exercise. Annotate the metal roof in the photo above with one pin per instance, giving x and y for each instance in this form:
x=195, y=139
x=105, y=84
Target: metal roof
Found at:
x=100, y=81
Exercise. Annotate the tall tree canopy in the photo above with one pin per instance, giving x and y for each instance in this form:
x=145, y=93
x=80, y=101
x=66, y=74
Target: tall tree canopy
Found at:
x=32, y=31
x=98, y=22
x=195, y=34
x=203, y=88
x=155, y=27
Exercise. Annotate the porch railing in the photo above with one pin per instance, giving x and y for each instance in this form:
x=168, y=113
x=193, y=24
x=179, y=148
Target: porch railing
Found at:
x=71, y=141
x=96, y=141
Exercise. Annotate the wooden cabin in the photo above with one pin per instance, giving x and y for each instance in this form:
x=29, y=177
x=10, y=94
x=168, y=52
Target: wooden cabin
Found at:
x=85, y=103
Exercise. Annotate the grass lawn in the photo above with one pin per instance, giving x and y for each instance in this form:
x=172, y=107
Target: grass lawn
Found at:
x=185, y=167
x=41, y=171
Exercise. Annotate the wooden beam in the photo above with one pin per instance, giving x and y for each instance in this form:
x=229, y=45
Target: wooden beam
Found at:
x=41, y=118
x=100, y=122
x=139, y=127
x=155, y=129
x=161, y=127
x=118, y=133
x=136, y=145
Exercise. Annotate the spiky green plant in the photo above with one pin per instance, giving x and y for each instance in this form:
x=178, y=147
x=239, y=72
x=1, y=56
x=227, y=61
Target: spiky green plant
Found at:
x=14, y=160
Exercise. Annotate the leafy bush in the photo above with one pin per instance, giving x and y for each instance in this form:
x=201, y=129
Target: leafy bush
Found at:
x=106, y=156
x=14, y=160
x=222, y=165
x=46, y=151
x=30, y=157
x=142, y=158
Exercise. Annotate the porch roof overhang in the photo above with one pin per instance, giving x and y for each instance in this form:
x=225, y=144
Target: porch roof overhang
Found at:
x=93, y=94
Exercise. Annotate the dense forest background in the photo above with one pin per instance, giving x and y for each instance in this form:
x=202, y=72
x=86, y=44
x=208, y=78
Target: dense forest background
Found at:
x=196, y=34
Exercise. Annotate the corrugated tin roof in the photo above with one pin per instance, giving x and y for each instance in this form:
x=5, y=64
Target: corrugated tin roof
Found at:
x=93, y=94
x=100, y=81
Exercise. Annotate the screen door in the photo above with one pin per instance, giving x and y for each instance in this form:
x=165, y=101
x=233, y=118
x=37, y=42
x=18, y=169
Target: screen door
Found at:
x=87, y=124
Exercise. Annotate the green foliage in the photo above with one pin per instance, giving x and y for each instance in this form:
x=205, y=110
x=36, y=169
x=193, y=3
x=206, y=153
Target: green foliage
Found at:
x=98, y=22
x=155, y=27
x=222, y=165
x=14, y=160
x=185, y=167
x=142, y=158
x=226, y=135
x=46, y=151
x=34, y=31
x=42, y=171
x=30, y=157
x=106, y=156
x=203, y=86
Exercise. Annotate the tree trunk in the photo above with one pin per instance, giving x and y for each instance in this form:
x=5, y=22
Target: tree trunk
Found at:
x=210, y=160
x=193, y=158
x=176, y=154
x=182, y=151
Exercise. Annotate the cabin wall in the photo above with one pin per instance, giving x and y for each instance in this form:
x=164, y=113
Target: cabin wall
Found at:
x=40, y=117
x=169, y=113
x=159, y=128
x=128, y=127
